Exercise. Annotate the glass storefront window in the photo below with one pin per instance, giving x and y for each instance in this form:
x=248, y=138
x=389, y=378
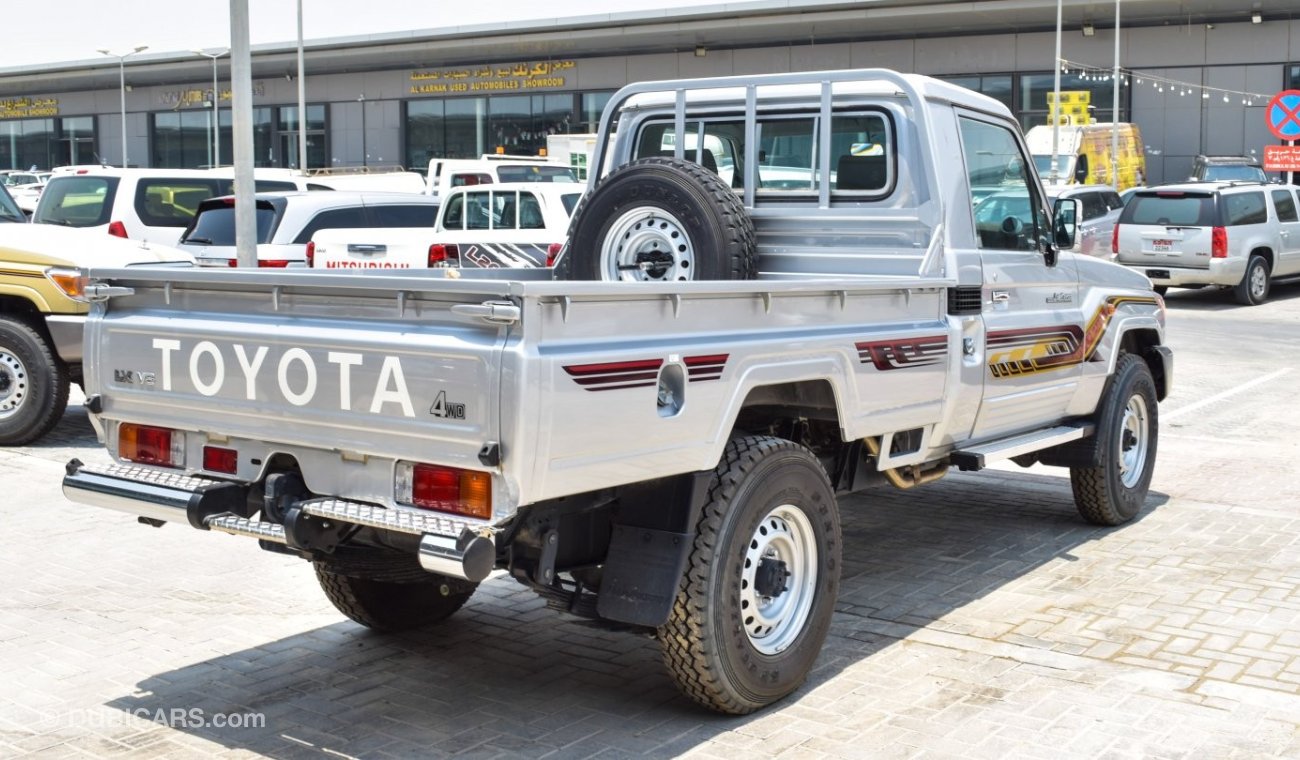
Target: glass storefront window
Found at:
x=470, y=127
x=25, y=143
x=593, y=103
x=183, y=139
x=1034, y=89
x=996, y=86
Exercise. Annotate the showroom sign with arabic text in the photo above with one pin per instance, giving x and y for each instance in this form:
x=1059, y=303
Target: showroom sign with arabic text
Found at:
x=541, y=75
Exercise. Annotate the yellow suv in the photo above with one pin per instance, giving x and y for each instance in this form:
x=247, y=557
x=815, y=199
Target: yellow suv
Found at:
x=40, y=322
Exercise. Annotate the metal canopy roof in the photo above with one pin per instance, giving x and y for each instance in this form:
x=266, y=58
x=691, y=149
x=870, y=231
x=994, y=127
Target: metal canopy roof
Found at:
x=716, y=26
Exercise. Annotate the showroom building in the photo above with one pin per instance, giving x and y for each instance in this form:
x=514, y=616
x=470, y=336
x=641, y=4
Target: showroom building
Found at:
x=1193, y=76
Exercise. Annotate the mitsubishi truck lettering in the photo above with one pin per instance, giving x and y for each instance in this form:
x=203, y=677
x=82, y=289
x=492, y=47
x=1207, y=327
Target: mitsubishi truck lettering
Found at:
x=775, y=291
x=294, y=369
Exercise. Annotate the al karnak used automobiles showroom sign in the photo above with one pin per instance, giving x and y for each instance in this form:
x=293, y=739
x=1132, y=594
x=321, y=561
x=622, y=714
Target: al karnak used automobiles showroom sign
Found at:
x=541, y=75
x=28, y=108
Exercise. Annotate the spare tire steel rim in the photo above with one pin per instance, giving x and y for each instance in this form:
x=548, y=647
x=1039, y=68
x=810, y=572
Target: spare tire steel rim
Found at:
x=779, y=578
x=13, y=384
x=647, y=244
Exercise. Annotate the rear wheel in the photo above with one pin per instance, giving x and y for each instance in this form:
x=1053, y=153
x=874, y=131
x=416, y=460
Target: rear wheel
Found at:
x=659, y=220
x=1253, y=288
x=754, y=606
x=33, y=384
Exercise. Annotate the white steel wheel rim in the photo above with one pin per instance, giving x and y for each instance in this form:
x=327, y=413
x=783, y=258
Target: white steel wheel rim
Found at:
x=1134, y=438
x=647, y=244
x=1258, y=280
x=773, y=621
x=13, y=384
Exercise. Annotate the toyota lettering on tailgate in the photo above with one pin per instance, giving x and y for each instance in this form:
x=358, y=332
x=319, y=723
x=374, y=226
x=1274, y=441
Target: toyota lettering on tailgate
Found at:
x=296, y=373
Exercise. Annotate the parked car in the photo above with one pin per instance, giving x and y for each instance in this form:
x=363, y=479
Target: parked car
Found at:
x=28, y=196
x=1008, y=214
x=287, y=221
x=1223, y=168
x=1238, y=235
x=142, y=204
x=499, y=225
x=446, y=173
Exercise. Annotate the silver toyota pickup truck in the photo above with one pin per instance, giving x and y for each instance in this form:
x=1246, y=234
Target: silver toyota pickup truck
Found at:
x=776, y=292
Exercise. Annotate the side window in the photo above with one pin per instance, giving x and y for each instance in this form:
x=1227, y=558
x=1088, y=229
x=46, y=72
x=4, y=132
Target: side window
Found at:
x=405, y=215
x=478, y=211
x=339, y=218
x=271, y=186
x=1008, y=216
x=1285, y=203
x=171, y=202
x=470, y=178
x=1113, y=201
x=1244, y=208
x=454, y=217
x=862, y=154
x=718, y=145
x=1093, y=206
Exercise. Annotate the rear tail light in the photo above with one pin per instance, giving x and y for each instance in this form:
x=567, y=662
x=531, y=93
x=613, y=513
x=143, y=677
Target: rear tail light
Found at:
x=232, y=263
x=311, y=253
x=117, y=229
x=151, y=445
x=440, y=255
x=273, y=263
x=553, y=252
x=217, y=459
x=444, y=489
x=1114, y=240
x=1219, y=243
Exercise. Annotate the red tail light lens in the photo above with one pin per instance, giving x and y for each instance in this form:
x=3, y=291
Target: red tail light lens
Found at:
x=150, y=445
x=117, y=229
x=273, y=263
x=552, y=251
x=216, y=459
x=311, y=253
x=443, y=255
x=1219, y=243
x=232, y=263
x=444, y=489
x=1114, y=240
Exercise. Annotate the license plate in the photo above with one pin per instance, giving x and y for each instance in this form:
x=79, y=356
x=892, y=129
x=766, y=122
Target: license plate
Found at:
x=1162, y=245
x=1158, y=274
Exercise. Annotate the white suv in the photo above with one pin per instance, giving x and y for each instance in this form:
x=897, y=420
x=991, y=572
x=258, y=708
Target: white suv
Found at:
x=1237, y=235
x=286, y=222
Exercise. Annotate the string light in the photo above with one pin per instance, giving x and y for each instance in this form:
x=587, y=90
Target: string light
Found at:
x=1089, y=73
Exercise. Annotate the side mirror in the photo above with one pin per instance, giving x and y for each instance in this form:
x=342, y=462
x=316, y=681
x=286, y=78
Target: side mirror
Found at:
x=1065, y=222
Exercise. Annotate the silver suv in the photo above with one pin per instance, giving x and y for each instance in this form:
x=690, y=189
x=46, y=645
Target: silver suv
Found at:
x=286, y=222
x=1237, y=235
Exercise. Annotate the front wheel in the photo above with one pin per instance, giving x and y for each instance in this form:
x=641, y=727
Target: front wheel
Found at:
x=1113, y=491
x=33, y=384
x=1253, y=288
x=754, y=606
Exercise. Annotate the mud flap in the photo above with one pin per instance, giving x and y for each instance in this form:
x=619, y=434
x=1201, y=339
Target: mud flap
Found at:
x=641, y=577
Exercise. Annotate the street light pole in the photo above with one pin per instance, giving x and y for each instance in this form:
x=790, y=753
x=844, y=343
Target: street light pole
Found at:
x=121, y=86
x=214, y=150
x=302, y=101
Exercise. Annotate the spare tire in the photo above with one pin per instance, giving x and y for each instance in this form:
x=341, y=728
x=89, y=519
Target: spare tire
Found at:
x=659, y=220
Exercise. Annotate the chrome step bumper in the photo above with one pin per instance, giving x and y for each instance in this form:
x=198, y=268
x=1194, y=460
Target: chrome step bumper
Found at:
x=448, y=545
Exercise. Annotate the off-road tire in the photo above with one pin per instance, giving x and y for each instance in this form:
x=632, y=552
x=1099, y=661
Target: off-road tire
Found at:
x=388, y=606
x=33, y=384
x=719, y=233
x=706, y=647
x=1101, y=492
x=1253, y=288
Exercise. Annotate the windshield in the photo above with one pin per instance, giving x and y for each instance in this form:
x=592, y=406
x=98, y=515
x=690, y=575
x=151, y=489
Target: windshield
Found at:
x=535, y=173
x=1234, y=172
x=8, y=209
x=1043, y=162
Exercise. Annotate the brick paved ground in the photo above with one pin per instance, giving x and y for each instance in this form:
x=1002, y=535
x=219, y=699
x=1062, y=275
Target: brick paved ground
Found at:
x=978, y=618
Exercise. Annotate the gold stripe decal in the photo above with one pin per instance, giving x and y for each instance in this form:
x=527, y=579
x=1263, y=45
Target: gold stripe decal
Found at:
x=1040, y=349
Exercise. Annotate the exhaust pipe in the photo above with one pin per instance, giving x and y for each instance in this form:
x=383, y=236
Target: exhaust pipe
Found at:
x=470, y=557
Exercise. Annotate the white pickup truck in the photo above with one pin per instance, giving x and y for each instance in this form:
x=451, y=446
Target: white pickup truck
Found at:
x=515, y=224
x=654, y=447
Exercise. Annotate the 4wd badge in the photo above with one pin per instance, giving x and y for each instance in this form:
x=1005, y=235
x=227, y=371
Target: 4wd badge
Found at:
x=450, y=410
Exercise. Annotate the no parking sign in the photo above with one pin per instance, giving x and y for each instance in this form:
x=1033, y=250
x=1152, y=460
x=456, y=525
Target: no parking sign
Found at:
x=1283, y=116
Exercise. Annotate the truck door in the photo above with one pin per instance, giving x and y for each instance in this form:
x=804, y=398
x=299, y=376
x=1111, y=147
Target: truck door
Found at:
x=1033, y=331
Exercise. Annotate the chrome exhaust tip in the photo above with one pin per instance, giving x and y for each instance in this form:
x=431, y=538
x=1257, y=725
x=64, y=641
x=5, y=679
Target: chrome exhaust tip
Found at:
x=470, y=557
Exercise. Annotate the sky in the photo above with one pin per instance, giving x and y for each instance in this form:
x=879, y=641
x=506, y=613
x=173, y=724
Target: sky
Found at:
x=52, y=31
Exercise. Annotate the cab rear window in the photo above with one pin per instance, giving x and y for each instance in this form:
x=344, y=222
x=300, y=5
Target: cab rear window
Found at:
x=77, y=201
x=1186, y=209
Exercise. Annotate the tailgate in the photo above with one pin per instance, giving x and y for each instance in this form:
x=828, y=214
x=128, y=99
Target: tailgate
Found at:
x=316, y=366
x=1173, y=246
x=372, y=248
x=1168, y=228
